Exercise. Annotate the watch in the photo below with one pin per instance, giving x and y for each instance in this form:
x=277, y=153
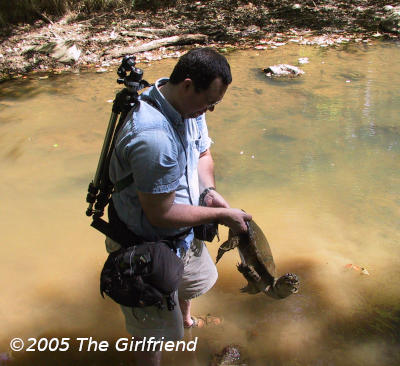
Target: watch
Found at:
x=204, y=194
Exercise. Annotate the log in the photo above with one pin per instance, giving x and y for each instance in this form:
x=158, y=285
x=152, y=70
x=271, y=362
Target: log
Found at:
x=157, y=31
x=138, y=34
x=169, y=41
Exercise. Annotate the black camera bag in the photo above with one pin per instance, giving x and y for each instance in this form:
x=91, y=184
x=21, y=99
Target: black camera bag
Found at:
x=142, y=275
x=206, y=232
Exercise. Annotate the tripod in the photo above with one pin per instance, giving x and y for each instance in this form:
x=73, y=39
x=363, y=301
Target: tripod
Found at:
x=101, y=188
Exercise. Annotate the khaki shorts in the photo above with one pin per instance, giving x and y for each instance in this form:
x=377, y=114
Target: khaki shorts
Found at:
x=199, y=275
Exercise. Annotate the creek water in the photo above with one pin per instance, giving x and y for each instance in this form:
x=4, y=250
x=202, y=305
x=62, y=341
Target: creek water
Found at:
x=315, y=160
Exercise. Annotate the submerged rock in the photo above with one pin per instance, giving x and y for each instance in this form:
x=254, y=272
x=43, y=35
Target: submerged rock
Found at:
x=5, y=358
x=283, y=70
x=231, y=355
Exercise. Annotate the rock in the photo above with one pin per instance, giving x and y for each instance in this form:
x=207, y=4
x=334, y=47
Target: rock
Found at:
x=388, y=7
x=391, y=21
x=66, y=52
x=63, y=51
x=283, y=70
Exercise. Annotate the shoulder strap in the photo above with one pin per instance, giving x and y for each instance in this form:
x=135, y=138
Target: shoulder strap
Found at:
x=123, y=183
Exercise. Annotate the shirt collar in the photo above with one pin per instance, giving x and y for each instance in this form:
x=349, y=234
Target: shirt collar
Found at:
x=168, y=110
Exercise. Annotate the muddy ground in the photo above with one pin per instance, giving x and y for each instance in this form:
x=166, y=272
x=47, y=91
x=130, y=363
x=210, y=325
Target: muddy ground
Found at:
x=78, y=41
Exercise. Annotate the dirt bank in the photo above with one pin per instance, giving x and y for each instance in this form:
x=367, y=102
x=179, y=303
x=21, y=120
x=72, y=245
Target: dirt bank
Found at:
x=75, y=41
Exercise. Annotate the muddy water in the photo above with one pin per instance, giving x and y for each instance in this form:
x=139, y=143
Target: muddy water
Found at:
x=314, y=160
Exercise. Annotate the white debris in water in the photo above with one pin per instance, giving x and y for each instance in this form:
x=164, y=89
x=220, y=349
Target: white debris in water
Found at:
x=303, y=60
x=241, y=153
x=109, y=101
x=364, y=271
x=348, y=81
x=252, y=156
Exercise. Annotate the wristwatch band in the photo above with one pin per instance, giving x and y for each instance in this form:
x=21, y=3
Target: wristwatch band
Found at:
x=203, y=195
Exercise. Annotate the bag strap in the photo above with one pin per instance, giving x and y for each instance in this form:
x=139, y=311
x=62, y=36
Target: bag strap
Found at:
x=123, y=183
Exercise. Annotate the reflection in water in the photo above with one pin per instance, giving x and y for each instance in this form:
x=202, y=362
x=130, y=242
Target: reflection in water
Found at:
x=315, y=161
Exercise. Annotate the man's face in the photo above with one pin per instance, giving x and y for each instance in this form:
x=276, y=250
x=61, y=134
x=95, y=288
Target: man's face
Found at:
x=197, y=103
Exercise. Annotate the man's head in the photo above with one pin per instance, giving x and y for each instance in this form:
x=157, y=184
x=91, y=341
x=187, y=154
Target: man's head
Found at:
x=199, y=79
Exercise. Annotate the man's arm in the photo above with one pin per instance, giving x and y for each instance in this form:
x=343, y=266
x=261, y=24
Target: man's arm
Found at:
x=161, y=211
x=205, y=169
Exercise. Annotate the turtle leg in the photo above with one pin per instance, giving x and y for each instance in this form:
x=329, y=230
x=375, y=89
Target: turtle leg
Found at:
x=252, y=277
x=231, y=243
x=284, y=286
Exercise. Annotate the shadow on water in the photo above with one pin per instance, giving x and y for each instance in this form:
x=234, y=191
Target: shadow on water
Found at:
x=338, y=320
x=330, y=322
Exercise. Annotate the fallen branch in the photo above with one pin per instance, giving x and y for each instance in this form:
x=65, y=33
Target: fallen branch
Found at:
x=165, y=31
x=42, y=16
x=138, y=34
x=169, y=41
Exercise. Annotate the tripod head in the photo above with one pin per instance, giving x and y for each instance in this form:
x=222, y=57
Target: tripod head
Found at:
x=100, y=189
x=131, y=77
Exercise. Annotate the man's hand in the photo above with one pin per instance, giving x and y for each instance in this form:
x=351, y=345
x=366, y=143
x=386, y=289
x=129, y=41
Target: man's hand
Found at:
x=161, y=211
x=235, y=219
x=214, y=199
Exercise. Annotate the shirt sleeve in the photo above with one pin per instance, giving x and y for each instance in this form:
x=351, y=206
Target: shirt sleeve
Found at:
x=205, y=141
x=153, y=159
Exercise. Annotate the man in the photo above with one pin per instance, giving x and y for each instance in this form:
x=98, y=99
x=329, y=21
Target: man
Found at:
x=164, y=146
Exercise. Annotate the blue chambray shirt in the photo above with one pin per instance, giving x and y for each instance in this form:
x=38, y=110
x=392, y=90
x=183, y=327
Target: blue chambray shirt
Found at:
x=161, y=151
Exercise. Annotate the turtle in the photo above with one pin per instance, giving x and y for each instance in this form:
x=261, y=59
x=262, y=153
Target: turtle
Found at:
x=257, y=264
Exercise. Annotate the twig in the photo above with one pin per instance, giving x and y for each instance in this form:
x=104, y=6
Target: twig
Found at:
x=43, y=17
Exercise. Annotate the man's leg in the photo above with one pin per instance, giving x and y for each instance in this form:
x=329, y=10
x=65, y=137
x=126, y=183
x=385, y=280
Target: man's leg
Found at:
x=185, y=310
x=198, y=277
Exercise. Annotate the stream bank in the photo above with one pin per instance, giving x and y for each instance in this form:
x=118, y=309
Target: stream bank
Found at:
x=76, y=41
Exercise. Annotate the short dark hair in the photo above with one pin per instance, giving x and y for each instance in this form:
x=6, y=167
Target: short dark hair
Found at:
x=202, y=65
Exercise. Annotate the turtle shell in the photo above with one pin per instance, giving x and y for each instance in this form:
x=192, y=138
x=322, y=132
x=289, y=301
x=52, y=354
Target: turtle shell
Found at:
x=262, y=250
